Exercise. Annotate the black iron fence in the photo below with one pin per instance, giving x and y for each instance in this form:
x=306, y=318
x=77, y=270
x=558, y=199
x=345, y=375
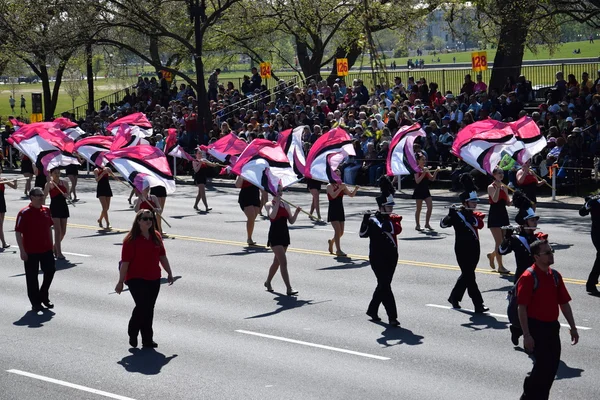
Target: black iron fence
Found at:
x=81, y=111
x=448, y=79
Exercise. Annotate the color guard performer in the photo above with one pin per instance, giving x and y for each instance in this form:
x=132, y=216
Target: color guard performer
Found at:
x=279, y=239
x=466, y=222
x=58, y=190
x=12, y=184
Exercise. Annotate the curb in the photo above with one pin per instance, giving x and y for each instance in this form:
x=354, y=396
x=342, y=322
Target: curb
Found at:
x=398, y=195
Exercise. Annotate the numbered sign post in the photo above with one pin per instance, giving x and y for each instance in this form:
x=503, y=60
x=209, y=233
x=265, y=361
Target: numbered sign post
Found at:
x=342, y=66
x=265, y=70
x=479, y=61
x=167, y=75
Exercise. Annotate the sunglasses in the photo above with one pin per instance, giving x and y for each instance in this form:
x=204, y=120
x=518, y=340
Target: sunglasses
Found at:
x=546, y=252
x=146, y=219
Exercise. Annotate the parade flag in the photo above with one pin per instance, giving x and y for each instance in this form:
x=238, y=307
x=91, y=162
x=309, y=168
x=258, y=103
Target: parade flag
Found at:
x=264, y=164
x=179, y=152
x=290, y=141
x=401, y=159
x=40, y=151
x=481, y=144
x=143, y=159
x=326, y=154
x=127, y=136
x=63, y=123
x=226, y=149
x=530, y=140
x=93, y=148
x=16, y=123
x=171, y=140
x=57, y=138
x=137, y=119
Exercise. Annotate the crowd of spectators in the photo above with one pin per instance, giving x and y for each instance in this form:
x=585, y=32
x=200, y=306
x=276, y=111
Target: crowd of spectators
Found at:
x=568, y=117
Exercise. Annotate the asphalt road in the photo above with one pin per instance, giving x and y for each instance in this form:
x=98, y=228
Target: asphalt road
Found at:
x=221, y=336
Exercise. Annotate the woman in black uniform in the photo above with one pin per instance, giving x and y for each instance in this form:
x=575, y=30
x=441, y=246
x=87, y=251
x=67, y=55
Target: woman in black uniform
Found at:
x=103, y=193
x=58, y=189
x=421, y=192
x=314, y=187
x=161, y=194
x=72, y=172
x=27, y=171
x=497, y=217
x=335, y=213
x=279, y=239
x=201, y=165
x=40, y=175
x=12, y=184
x=249, y=200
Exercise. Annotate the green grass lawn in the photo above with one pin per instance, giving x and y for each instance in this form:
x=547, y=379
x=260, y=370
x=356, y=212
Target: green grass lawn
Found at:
x=588, y=50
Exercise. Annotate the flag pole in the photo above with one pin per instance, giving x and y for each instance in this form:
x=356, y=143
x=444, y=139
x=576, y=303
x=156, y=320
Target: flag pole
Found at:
x=160, y=215
x=543, y=180
x=63, y=193
x=293, y=205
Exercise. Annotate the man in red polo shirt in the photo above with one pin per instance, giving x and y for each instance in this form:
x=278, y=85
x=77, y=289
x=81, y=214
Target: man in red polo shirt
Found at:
x=34, y=236
x=538, y=314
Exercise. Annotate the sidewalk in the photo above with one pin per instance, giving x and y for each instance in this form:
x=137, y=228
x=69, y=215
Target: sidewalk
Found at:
x=545, y=201
x=561, y=202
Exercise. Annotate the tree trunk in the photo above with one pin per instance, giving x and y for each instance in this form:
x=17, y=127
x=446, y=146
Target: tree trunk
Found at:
x=90, y=78
x=310, y=64
x=49, y=112
x=351, y=53
x=511, y=48
x=46, y=93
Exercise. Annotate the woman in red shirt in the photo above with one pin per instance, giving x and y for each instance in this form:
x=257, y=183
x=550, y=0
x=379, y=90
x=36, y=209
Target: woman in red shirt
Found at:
x=58, y=190
x=142, y=252
x=528, y=182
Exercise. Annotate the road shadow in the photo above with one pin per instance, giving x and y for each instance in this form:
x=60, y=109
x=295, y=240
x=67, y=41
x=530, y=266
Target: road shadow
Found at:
x=145, y=361
x=348, y=265
x=557, y=246
x=65, y=264
x=182, y=216
x=101, y=232
x=246, y=250
x=425, y=237
x=480, y=322
x=500, y=289
x=285, y=303
x=566, y=372
x=395, y=335
x=31, y=319
x=164, y=281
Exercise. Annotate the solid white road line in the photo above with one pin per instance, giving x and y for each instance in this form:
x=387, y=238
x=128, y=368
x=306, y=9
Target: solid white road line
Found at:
x=319, y=346
x=583, y=328
x=70, y=385
x=76, y=254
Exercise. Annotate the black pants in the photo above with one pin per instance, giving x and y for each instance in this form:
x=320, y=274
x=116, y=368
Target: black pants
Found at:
x=144, y=294
x=467, y=256
x=384, y=269
x=595, y=273
x=547, y=357
x=34, y=261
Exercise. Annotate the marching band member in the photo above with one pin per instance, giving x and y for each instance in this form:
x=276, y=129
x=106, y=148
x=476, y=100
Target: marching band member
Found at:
x=519, y=242
x=382, y=228
x=592, y=206
x=466, y=223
